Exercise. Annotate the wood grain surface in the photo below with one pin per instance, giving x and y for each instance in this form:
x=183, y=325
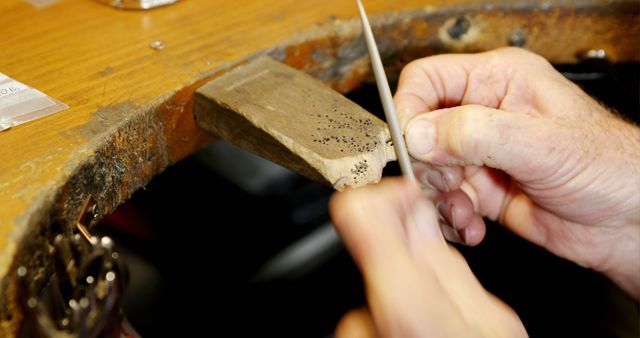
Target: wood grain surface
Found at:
x=130, y=110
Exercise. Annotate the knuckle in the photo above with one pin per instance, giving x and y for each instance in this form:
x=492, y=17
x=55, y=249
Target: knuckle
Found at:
x=520, y=57
x=466, y=139
x=412, y=67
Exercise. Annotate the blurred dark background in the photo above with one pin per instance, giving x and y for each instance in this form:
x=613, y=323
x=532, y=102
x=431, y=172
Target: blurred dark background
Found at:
x=226, y=243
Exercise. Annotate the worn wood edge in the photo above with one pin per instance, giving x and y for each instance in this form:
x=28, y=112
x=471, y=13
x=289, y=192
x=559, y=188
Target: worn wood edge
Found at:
x=110, y=171
x=334, y=53
x=59, y=201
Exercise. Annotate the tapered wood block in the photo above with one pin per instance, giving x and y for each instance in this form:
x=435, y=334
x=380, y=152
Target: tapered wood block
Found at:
x=292, y=119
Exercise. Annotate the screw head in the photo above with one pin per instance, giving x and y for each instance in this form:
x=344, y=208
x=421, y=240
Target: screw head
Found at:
x=599, y=54
x=158, y=45
x=460, y=26
x=517, y=38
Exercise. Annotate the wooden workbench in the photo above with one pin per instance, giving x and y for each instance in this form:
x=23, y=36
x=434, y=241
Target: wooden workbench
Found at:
x=130, y=112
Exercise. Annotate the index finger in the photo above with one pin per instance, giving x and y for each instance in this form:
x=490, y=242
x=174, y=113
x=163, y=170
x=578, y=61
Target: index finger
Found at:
x=449, y=80
x=431, y=83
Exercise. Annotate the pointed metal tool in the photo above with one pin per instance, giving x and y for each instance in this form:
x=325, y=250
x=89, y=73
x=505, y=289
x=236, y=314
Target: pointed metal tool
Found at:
x=386, y=98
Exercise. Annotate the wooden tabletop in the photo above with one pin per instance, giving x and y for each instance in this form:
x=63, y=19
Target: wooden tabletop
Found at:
x=97, y=60
x=130, y=105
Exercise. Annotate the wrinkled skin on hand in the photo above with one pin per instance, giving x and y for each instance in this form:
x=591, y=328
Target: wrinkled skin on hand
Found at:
x=499, y=135
x=503, y=135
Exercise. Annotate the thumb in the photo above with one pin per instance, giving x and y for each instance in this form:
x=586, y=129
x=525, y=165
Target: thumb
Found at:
x=356, y=323
x=477, y=135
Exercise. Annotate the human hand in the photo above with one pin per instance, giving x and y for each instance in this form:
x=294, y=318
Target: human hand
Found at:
x=417, y=285
x=503, y=135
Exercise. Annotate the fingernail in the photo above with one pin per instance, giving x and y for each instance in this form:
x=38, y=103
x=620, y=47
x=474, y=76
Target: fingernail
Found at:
x=421, y=137
x=463, y=234
x=453, y=217
x=425, y=221
x=450, y=234
x=437, y=179
x=433, y=177
x=445, y=182
x=448, y=212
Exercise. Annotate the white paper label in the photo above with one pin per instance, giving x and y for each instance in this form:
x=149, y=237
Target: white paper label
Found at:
x=20, y=103
x=10, y=88
x=41, y=3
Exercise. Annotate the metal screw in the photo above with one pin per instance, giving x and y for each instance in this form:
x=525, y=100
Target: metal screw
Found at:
x=106, y=242
x=459, y=27
x=517, y=38
x=545, y=6
x=22, y=271
x=110, y=276
x=158, y=45
x=599, y=54
x=84, y=302
x=94, y=211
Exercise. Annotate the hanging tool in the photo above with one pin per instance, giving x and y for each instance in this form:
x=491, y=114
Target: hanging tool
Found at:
x=386, y=98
